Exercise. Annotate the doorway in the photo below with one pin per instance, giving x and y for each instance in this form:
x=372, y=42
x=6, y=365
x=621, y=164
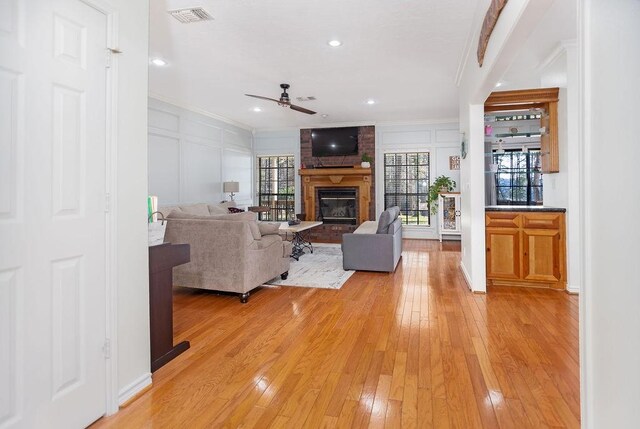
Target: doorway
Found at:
x=53, y=214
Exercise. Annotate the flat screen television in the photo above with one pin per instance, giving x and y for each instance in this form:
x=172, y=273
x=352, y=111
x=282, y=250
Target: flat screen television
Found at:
x=334, y=141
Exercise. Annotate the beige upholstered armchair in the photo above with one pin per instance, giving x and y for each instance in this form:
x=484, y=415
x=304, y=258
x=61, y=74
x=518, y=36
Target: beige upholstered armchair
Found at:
x=228, y=252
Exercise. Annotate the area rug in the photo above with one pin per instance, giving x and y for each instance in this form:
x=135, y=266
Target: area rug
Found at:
x=320, y=269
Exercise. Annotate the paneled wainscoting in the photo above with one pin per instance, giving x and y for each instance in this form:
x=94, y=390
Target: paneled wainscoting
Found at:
x=409, y=349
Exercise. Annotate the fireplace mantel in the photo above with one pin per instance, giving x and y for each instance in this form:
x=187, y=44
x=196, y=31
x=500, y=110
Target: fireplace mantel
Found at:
x=359, y=178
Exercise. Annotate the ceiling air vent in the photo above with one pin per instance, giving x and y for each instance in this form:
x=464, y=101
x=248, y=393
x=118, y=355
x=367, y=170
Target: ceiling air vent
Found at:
x=309, y=98
x=192, y=14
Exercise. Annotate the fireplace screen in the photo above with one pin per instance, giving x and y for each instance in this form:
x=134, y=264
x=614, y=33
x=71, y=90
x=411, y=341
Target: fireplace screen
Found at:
x=337, y=206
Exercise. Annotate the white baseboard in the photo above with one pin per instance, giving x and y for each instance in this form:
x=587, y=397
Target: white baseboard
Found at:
x=466, y=276
x=573, y=289
x=423, y=233
x=134, y=388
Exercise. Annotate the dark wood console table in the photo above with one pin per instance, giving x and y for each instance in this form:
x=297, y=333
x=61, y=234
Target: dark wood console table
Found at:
x=162, y=259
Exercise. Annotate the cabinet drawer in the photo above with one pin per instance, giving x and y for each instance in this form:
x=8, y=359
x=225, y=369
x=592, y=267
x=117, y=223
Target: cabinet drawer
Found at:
x=502, y=220
x=542, y=220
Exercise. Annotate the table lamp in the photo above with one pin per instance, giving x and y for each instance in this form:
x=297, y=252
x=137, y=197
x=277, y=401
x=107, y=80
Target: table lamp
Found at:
x=231, y=188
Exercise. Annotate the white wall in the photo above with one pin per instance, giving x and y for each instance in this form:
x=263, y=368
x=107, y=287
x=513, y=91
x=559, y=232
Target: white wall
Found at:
x=609, y=46
x=191, y=154
x=132, y=345
x=564, y=189
x=441, y=140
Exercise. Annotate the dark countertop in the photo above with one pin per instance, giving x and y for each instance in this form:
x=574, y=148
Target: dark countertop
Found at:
x=524, y=209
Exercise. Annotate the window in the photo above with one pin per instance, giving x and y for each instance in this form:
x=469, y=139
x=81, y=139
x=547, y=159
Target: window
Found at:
x=519, y=177
x=406, y=185
x=276, y=176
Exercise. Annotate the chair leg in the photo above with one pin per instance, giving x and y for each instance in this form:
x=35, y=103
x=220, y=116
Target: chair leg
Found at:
x=244, y=297
x=284, y=275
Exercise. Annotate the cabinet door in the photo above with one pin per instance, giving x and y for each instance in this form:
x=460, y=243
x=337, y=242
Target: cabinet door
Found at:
x=542, y=255
x=503, y=253
x=450, y=212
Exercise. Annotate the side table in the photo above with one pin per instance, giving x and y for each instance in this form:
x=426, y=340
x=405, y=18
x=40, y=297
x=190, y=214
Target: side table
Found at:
x=301, y=239
x=162, y=259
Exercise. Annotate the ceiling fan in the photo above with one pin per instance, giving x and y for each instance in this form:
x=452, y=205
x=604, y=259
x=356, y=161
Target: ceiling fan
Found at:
x=284, y=100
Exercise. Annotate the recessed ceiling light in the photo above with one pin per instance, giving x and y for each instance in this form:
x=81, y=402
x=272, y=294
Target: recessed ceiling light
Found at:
x=334, y=43
x=158, y=62
x=257, y=109
x=324, y=115
x=498, y=85
x=371, y=101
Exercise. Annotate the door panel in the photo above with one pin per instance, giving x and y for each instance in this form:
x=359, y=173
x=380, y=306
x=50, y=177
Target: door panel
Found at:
x=52, y=214
x=542, y=255
x=503, y=253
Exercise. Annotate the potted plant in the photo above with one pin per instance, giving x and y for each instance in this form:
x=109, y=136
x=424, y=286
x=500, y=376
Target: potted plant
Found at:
x=440, y=185
x=366, y=160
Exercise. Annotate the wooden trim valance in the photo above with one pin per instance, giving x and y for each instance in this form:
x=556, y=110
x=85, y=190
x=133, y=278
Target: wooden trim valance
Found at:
x=545, y=99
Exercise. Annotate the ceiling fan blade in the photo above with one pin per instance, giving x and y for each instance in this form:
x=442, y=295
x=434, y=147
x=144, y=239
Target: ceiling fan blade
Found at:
x=262, y=98
x=301, y=109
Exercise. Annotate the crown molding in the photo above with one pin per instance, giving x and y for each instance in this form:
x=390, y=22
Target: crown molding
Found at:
x=340, y=124
x=362, y=124
x=560, y=48
x=275, y=130
x=419, y=122
x=199, y=111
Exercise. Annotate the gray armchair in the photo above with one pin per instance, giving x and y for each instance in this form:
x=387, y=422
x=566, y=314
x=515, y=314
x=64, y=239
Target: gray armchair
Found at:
x=375, y=245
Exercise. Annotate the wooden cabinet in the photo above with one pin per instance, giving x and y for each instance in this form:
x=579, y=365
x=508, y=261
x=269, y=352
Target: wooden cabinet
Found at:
x=449, y=214
x=526, y=249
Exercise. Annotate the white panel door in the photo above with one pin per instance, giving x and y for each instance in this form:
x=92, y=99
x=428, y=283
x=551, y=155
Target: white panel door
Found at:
x=52, y=213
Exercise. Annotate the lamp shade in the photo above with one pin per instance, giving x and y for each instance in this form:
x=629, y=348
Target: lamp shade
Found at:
x=230, y=186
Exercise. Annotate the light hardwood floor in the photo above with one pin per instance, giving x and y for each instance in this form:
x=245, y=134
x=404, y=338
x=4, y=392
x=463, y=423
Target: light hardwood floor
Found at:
x=409, y=349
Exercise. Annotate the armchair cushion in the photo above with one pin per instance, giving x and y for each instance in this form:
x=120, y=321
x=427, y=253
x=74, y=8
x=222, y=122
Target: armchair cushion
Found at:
x=221, y=208
x=387, y=218
x=201, y=209
x=249, y=217
x=268, y=240
x=269, y=228
x=196, y=209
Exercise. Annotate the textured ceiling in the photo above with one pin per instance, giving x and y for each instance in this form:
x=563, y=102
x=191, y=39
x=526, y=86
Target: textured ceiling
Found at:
x=402, y=53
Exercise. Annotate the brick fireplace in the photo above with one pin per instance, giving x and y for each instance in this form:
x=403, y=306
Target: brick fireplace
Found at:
x=343, y=174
